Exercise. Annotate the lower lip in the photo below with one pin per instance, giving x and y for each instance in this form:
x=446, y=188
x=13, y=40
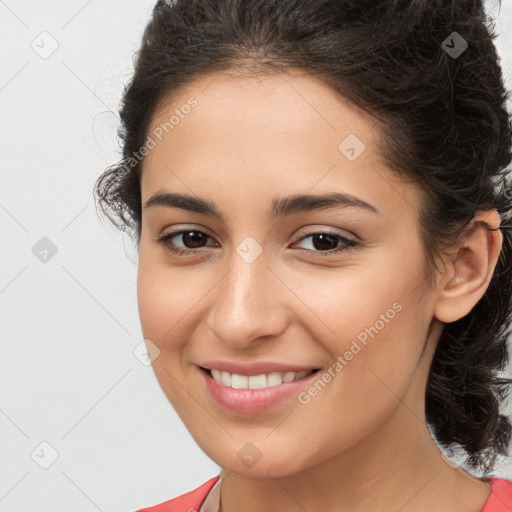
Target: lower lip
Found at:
x=253, y=401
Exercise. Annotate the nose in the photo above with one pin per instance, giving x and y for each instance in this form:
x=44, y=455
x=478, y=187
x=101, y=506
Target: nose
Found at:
x=248, y=304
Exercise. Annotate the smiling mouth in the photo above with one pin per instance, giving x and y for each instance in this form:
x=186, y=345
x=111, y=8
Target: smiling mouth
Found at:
x=262, y=381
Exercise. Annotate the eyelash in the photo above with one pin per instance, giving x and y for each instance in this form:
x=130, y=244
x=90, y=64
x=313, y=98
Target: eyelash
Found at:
x=349, y=244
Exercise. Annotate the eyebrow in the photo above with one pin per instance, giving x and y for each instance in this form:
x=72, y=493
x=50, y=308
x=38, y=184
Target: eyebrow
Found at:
x=281, y=206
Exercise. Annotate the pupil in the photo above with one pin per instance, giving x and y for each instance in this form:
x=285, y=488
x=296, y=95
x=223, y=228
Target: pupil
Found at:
x=322, y=238
x=196, y=238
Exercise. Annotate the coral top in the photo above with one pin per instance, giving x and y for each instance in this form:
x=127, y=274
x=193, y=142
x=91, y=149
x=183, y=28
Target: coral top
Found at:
x=500, y=499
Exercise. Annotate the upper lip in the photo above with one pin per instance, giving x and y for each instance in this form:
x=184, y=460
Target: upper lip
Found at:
x=255, y=367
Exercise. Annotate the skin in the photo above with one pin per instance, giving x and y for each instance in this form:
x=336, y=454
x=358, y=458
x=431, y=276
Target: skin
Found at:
x=362, y=443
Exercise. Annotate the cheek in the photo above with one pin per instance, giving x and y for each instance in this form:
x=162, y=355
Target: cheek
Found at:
x=169, y=300
x=374, y=360
x=377, y=321
x=164, y=310
x=362, y=300
x=159, y=307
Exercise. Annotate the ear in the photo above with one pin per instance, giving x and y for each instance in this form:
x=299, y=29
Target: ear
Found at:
x=468, y=273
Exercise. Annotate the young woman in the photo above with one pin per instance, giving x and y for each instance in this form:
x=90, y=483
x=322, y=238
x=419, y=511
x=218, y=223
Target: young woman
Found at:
x=318, y=193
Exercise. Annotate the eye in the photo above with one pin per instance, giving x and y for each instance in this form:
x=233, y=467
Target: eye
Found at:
x=191, y=237
x=323, y=243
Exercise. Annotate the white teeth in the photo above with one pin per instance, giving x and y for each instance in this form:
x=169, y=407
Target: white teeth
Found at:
x=225, y=378
x=274, y=379
x=239, y=381
x=256, y=381
x=288, y=377
x=268, y=380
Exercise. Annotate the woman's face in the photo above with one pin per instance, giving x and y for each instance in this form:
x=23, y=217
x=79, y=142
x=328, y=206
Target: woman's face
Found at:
x=269, y=280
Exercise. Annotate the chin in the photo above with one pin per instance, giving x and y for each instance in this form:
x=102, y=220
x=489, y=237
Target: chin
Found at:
x=246, y=460
x=261, y=469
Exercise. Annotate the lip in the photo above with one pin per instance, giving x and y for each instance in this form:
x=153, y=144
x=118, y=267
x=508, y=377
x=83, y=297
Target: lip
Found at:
x=255, y=367
x=253, y=401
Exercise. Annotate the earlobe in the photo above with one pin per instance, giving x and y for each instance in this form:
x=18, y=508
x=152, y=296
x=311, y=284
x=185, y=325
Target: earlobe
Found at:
x=469, y=272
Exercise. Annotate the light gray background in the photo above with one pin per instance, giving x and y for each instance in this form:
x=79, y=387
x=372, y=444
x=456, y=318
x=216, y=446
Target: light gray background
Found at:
x=69, y=326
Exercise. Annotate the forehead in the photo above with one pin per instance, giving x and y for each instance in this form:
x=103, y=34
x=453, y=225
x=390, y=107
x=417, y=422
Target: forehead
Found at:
x=290, y=101
x=266, y=133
